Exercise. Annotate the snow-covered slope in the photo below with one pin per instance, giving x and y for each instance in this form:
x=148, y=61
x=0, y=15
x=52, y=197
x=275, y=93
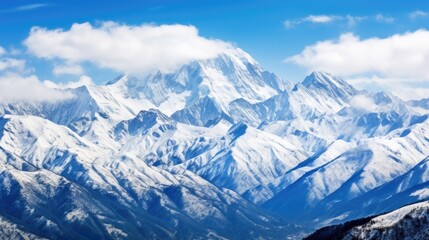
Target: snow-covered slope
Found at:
x=408, y=222
x=239, y=158
x=230, y=76
x=10, y=230
x=348, y=168
x=217, y=146
x=89, y=187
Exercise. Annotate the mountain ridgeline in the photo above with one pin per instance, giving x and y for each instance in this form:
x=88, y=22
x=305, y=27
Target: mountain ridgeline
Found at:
x=218, y=149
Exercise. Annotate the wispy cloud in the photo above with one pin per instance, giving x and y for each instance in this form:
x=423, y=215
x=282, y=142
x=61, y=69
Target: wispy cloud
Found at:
x=68, y=69
x=318, y=19
x=289, y=24
x=326, y=19
x=353, y=20
x=418, y=14
x=27, y=7
x=155, y=8
x=9, y=63
x=384, y=19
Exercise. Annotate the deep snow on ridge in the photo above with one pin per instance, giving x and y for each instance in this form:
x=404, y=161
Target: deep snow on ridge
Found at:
x=219, y=143
x=408, y=222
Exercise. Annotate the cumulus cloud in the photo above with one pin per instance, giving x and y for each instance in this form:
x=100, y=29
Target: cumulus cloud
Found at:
x=2, y=50
x=125, y=48
x=398, y=56
x=363, y=103
x=70, y=69
x=14, y=88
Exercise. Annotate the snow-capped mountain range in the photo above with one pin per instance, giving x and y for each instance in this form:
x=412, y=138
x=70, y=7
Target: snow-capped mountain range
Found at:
x=218, y=149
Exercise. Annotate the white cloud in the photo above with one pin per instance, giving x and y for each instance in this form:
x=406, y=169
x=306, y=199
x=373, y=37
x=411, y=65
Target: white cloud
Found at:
x=289, y=24
x=398, y=56
x=125, y=48
x=320, y=18
x=14, y=51
x=8, y=63
x=363, y=103
x=31, y=6
x=14, y=88
x=353, y=20
x=405, y=88
x=418, y=14
x=410, y=93
x=348, y=20
x=83, y=81
x=384, y=19
x=71, y=69
x=27, y=7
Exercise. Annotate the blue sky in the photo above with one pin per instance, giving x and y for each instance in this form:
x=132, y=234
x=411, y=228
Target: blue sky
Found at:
x=271, y=31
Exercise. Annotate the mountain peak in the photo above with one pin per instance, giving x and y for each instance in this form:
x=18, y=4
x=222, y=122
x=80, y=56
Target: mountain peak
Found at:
x=319, y=78
x=116, y=79
x=148, y=118
x=231, y=75
x=330, y=84
x=144, y=120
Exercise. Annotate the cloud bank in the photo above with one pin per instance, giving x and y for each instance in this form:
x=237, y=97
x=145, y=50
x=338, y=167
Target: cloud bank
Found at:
x=15, y=88
x=124, y=48
x=398, y=56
